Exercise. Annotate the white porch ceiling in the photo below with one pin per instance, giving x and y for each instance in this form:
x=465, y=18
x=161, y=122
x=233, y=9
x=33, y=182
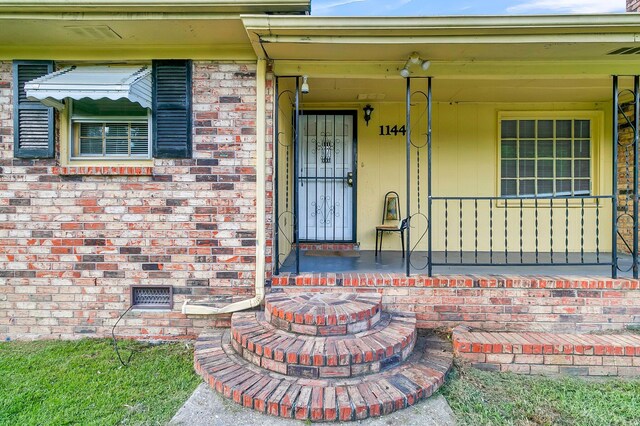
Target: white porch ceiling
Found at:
x=346, y=90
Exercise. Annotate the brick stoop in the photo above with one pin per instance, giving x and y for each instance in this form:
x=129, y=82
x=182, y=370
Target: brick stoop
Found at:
x=323, y=314
x=388, y=343
x=322, y=399
x=549, y=353
x=323, y=357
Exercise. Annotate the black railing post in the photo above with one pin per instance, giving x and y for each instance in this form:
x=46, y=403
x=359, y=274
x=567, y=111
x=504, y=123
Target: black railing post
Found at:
x=636, y=136
x=296, y=209
x=408, y=165
x=614, y=180
x=429, y=201
x=275, y=143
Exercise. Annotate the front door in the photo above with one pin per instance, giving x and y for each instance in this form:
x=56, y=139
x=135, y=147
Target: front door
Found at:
x=326, y=178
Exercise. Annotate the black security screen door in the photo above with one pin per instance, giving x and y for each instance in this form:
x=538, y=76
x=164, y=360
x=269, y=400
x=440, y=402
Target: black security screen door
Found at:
x=326, y=180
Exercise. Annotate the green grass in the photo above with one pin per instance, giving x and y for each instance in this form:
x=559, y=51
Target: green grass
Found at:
x=82, y=382
x=483, y=398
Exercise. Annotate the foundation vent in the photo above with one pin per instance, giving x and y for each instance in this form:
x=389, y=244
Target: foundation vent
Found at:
x=152, y=297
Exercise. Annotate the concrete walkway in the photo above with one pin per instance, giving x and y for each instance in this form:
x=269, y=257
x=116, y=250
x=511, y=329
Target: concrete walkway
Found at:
x=206, y=407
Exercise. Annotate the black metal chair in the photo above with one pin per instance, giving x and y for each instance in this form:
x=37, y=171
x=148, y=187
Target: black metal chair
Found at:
x=391, y=213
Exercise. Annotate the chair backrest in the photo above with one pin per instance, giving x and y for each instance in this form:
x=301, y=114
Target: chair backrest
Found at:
x=391, y=208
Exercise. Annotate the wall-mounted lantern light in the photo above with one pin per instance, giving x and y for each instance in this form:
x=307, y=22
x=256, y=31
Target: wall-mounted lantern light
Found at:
x=368, y=109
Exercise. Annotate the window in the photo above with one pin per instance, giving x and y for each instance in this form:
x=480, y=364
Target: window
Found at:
x=112, y=111
x=545, y=157
x=110, y=129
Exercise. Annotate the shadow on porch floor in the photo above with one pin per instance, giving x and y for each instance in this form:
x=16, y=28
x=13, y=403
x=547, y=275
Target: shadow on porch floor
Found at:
x=392, y=262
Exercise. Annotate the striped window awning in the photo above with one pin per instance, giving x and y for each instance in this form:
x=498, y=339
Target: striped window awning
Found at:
x=132, y=82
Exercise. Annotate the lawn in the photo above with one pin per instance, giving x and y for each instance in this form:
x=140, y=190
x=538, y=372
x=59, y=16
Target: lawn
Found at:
x=483, y=398
x=82, y=382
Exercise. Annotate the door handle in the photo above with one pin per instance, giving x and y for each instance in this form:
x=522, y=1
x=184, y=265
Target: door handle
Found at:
x=350, y=179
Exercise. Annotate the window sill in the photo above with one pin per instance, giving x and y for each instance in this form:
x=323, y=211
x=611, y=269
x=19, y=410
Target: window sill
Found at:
x=559, y=203
x=105, y=171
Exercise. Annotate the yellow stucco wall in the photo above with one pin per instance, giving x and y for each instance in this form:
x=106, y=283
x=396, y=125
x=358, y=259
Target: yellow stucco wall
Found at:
x=465, y=163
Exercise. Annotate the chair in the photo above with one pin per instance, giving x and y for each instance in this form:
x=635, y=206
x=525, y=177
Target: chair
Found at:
x=391, y=213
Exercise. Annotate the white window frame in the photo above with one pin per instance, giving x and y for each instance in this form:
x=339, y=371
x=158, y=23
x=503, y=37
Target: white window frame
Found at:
x=595, y=119
x=76, y=119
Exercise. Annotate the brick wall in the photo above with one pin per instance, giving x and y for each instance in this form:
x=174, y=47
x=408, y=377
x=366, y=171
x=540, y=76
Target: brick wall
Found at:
x=71, y=244
x=506, y=303
x=633, y=5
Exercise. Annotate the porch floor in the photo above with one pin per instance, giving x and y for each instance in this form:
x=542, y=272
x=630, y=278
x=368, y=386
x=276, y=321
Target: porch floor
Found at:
x=391, y=262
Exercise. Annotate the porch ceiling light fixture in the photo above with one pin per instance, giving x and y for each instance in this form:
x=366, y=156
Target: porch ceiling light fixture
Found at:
x=368, y=109
x=305, y=84
x=414, y=59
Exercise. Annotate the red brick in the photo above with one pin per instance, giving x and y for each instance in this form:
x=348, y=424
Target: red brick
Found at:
x=317, y=403
x=345, y=412
x=287, y=403
x=558, y=359
x=360, y=407
x=302, y=404
x=529, y=359
x=330, y=406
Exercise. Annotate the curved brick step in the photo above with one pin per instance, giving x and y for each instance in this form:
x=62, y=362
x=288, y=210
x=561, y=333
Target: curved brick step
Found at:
x=322, y=399
x=388, y=343
x=323, y=314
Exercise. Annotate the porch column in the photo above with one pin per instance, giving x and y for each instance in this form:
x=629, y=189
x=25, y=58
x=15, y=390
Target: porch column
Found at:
x=614, y=180
x=296, y=143
x=408, y=165
x=636, y=134
x=429, y=188
x=629, y=194
x=276, y=202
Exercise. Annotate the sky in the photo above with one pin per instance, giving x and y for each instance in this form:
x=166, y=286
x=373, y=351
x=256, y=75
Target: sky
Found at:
x=460, y=7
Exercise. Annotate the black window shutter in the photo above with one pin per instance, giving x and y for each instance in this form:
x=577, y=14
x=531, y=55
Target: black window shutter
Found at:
x=32, y=121
x=172, y=109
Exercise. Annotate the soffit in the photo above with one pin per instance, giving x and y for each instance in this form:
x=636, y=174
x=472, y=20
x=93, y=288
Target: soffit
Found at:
x=122, y=36
x=521, y=38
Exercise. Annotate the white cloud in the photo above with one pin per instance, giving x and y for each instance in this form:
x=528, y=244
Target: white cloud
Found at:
x=397, y=4
x=359, y=7
x=329, y=6
x=569, y=6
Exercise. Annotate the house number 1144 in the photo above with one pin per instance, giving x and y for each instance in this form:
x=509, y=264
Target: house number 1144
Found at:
x=389, y=131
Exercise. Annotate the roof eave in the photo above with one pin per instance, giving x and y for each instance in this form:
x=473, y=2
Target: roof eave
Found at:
x=152, y=6
x=408, y=25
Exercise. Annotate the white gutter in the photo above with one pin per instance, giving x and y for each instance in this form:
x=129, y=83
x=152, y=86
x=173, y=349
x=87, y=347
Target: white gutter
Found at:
x=261, y=177
x=382, y=25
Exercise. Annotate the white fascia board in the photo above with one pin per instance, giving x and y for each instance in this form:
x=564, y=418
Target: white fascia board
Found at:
x=237, y=6
x=311, y=25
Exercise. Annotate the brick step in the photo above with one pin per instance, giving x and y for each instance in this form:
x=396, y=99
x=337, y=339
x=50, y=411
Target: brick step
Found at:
x=550, y=353
x=322, y=399
x=323, y=314
x=389, y=343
